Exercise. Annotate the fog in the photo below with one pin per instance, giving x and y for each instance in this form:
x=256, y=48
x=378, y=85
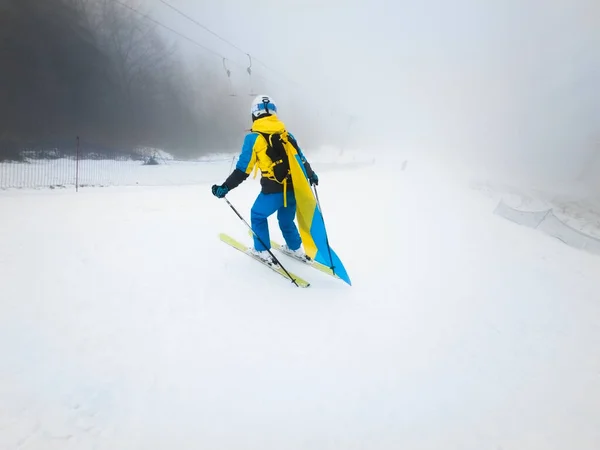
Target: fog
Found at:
x=510, y=85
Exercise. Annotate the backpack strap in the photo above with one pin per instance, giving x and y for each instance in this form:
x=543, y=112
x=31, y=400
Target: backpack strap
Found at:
x=255, y=172
x=283, y=138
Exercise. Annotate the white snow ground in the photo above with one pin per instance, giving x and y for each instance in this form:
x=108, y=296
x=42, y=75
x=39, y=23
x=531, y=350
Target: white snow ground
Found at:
x=126, y=324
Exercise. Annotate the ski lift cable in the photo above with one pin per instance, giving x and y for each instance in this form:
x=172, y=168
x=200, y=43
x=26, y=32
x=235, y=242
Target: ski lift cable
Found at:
x=204, y=27
x=209, y=50
x=149, y=18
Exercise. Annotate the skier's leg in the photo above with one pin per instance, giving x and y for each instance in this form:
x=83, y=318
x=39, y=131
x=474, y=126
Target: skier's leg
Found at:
x=264, y=206
x=285, y=216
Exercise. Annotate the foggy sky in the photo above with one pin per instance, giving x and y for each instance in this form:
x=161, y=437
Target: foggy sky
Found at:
x=504, y=81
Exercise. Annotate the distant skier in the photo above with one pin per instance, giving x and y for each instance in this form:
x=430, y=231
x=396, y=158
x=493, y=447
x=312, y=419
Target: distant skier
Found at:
x=263, y=149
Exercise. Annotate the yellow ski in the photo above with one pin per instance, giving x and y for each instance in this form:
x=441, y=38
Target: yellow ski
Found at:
x=312, y=263
x=276, y=268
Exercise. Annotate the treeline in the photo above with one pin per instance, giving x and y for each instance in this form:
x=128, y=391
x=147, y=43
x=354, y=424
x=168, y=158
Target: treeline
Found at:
x=95, y=69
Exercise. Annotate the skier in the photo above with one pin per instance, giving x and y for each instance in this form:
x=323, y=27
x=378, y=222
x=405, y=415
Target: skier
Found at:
x=263, y=149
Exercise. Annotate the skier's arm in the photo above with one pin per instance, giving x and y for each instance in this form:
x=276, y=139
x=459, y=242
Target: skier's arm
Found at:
x=244, y=166
x=312, y=176
x=245, y=163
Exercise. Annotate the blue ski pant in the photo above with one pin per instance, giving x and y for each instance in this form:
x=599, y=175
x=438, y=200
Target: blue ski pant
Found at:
x=265, y=206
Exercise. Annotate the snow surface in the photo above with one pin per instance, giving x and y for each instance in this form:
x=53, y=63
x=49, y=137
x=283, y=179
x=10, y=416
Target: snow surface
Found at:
x=126, y=324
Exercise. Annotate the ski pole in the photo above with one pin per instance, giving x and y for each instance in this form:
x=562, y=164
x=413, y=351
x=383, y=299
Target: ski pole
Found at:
x=261, y=241
x=326, y=237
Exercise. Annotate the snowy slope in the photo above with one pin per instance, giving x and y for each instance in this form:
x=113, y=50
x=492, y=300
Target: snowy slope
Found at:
x=125, y=323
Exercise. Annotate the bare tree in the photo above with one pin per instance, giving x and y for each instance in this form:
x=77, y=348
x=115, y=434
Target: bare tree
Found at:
x=97, y=69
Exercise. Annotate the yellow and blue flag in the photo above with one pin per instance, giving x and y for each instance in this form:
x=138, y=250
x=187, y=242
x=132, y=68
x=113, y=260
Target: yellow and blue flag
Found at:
x=310, y=219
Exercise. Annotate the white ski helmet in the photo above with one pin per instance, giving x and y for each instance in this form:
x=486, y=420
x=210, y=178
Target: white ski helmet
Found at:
x=263, y=105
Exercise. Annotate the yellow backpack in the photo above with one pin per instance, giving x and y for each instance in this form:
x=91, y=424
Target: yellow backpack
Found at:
x=277, y=153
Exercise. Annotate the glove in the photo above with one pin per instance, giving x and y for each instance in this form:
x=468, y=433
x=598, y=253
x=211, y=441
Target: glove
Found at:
x=314, y=179
x=220, y=191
